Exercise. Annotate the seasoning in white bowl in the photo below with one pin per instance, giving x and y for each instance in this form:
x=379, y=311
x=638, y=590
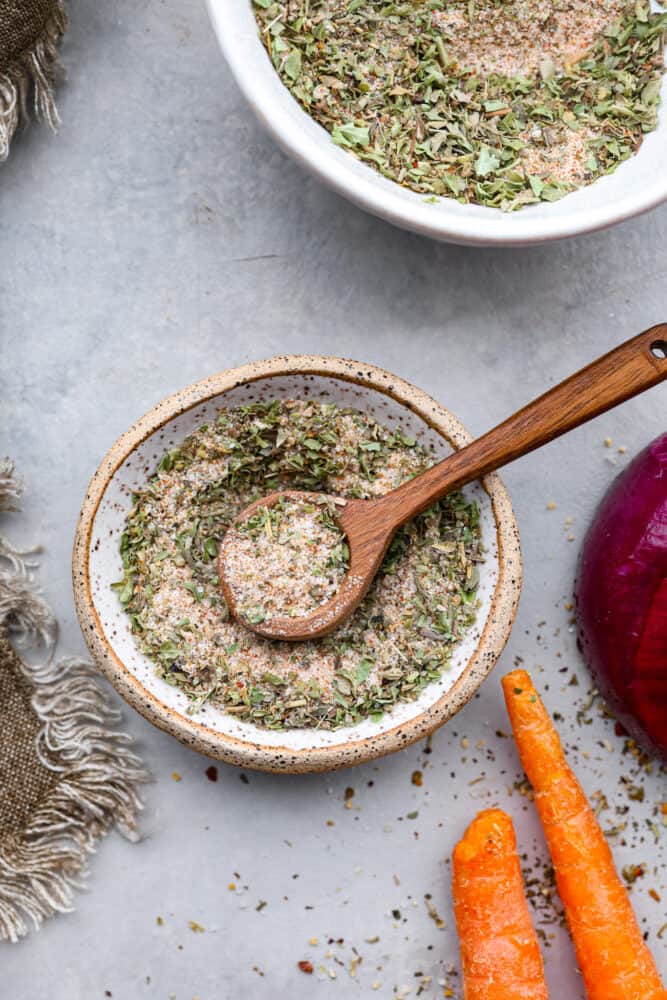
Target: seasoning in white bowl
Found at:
x=500, y=104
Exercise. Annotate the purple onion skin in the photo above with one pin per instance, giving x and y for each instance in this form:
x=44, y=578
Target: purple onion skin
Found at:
x=621, y=598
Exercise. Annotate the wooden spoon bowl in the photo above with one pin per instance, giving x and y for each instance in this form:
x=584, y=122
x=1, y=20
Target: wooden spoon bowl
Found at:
x=357, y=516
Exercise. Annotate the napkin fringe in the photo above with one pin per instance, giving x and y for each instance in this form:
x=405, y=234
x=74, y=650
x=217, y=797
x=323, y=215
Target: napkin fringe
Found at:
x=33, y=73
x=42, y=866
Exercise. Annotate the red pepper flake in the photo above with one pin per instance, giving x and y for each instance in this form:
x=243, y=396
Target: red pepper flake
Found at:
x=306, y=967
x=212, y=773
x=417, y=778
x=349, y=794
x=632, y=872
x=654, y=895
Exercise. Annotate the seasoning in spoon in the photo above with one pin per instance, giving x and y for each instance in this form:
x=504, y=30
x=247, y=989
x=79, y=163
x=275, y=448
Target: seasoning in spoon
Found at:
x=285, y=560
x=500, y=104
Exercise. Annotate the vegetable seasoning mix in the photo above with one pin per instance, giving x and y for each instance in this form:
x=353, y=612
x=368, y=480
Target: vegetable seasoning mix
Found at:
x=399, y=639
x=499, y=103
x=286, y=560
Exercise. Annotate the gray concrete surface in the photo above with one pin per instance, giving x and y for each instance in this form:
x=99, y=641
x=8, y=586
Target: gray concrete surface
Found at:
x=162, y=236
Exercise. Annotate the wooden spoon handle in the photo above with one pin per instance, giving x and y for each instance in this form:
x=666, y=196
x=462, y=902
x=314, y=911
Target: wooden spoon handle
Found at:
x=626, y=371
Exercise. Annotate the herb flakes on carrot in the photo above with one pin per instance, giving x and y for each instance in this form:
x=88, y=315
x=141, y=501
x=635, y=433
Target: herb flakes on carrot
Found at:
x=500, y=954
x=614, y=960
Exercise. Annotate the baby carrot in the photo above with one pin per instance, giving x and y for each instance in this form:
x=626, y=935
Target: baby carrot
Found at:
x=500, y=955
x=613, y=958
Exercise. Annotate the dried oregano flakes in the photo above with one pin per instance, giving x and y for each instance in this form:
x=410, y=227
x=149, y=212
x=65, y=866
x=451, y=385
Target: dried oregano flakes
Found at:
x=497, y=103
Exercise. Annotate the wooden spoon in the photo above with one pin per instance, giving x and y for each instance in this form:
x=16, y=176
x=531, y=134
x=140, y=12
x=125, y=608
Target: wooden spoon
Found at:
x=370, y=525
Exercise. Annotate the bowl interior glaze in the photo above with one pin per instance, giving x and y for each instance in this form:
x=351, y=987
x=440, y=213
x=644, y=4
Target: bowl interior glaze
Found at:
x=97, y=565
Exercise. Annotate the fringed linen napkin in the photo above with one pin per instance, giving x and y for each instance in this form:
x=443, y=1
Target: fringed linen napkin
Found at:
x=29, y=34
x=67, y=775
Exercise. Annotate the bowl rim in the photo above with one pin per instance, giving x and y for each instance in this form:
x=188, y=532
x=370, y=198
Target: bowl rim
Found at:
x=287, y=123
x=231, y=749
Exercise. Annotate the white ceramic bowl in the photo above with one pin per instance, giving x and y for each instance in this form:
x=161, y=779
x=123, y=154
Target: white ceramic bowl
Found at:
x=97, y=563
x=638, y=185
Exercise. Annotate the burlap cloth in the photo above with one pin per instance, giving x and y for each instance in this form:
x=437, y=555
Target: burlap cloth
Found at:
x=29, y=34
x=67, y=775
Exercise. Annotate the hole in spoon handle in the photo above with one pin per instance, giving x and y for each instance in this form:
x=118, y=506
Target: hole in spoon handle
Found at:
x=659, y=349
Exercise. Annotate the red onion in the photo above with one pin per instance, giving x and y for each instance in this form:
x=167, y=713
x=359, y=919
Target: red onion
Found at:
x=622, y=597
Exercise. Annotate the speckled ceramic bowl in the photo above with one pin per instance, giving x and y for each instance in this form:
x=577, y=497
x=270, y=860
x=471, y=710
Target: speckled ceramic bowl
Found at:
x=96, y=564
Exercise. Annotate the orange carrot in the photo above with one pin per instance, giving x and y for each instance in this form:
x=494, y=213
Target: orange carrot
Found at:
x=499, y=951
x=612, y=955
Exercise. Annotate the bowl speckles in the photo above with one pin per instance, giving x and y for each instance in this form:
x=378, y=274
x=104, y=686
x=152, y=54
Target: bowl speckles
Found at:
x=96, y=564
